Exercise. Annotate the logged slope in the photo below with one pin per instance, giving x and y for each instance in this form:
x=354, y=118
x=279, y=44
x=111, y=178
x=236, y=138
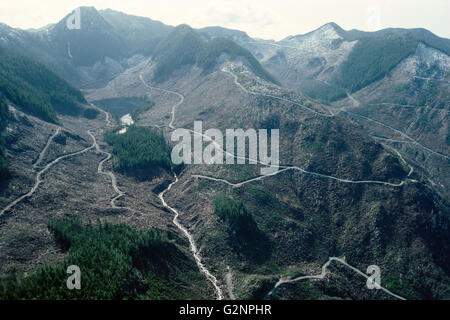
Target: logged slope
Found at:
x=339, y=196
x=328, y=62
x=338, y=193
x=309, y=216
x=409, y=110
x=4, y=118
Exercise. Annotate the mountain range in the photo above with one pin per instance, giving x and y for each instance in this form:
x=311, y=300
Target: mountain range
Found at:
x=364, y=154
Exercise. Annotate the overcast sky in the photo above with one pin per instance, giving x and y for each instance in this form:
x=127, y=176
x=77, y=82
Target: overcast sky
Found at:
x=269, y=19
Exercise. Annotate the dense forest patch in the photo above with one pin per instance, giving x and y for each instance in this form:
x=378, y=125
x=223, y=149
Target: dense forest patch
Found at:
x=185, y=47
x=244, y=235
x=139, y=148
x=372, y=58
x=35, y=89
x=116, y=262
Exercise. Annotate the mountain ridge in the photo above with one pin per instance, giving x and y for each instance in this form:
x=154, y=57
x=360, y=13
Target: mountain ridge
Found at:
x=134, y=35
x=341, y=192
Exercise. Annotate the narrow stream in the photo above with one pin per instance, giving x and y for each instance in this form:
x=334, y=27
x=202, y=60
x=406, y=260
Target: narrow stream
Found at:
x=192, y=244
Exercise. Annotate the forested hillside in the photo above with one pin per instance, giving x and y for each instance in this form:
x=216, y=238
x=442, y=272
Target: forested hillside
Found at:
x=244, y=234
x=373, y=57
x=139, y=33
x=117, y=262
x=36, y=89
x=377, y=53
x=184, y=46
x=218, y=46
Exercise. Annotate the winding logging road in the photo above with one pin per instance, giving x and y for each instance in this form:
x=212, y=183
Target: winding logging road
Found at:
x=193, y=246
x=323, y=274
x=174, y=107
x=210, y=277
x=109, y=174
x=236, y=82
x=44, y=151
x=411, y=140
x=195, y=252
x=38, y=179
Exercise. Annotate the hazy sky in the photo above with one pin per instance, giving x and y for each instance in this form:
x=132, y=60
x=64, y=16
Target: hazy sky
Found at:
x=269, y=19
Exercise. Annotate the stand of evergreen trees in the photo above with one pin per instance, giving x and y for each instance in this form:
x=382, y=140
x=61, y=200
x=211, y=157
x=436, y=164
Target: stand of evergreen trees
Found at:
x=373, y=57
x=140, y=148
x=244, y=234
x=185, y=47
x=116, y=262
x=35, y=88
x=206, y=58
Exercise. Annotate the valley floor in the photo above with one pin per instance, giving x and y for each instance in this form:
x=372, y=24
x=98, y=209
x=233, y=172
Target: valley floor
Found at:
x=68, y=170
